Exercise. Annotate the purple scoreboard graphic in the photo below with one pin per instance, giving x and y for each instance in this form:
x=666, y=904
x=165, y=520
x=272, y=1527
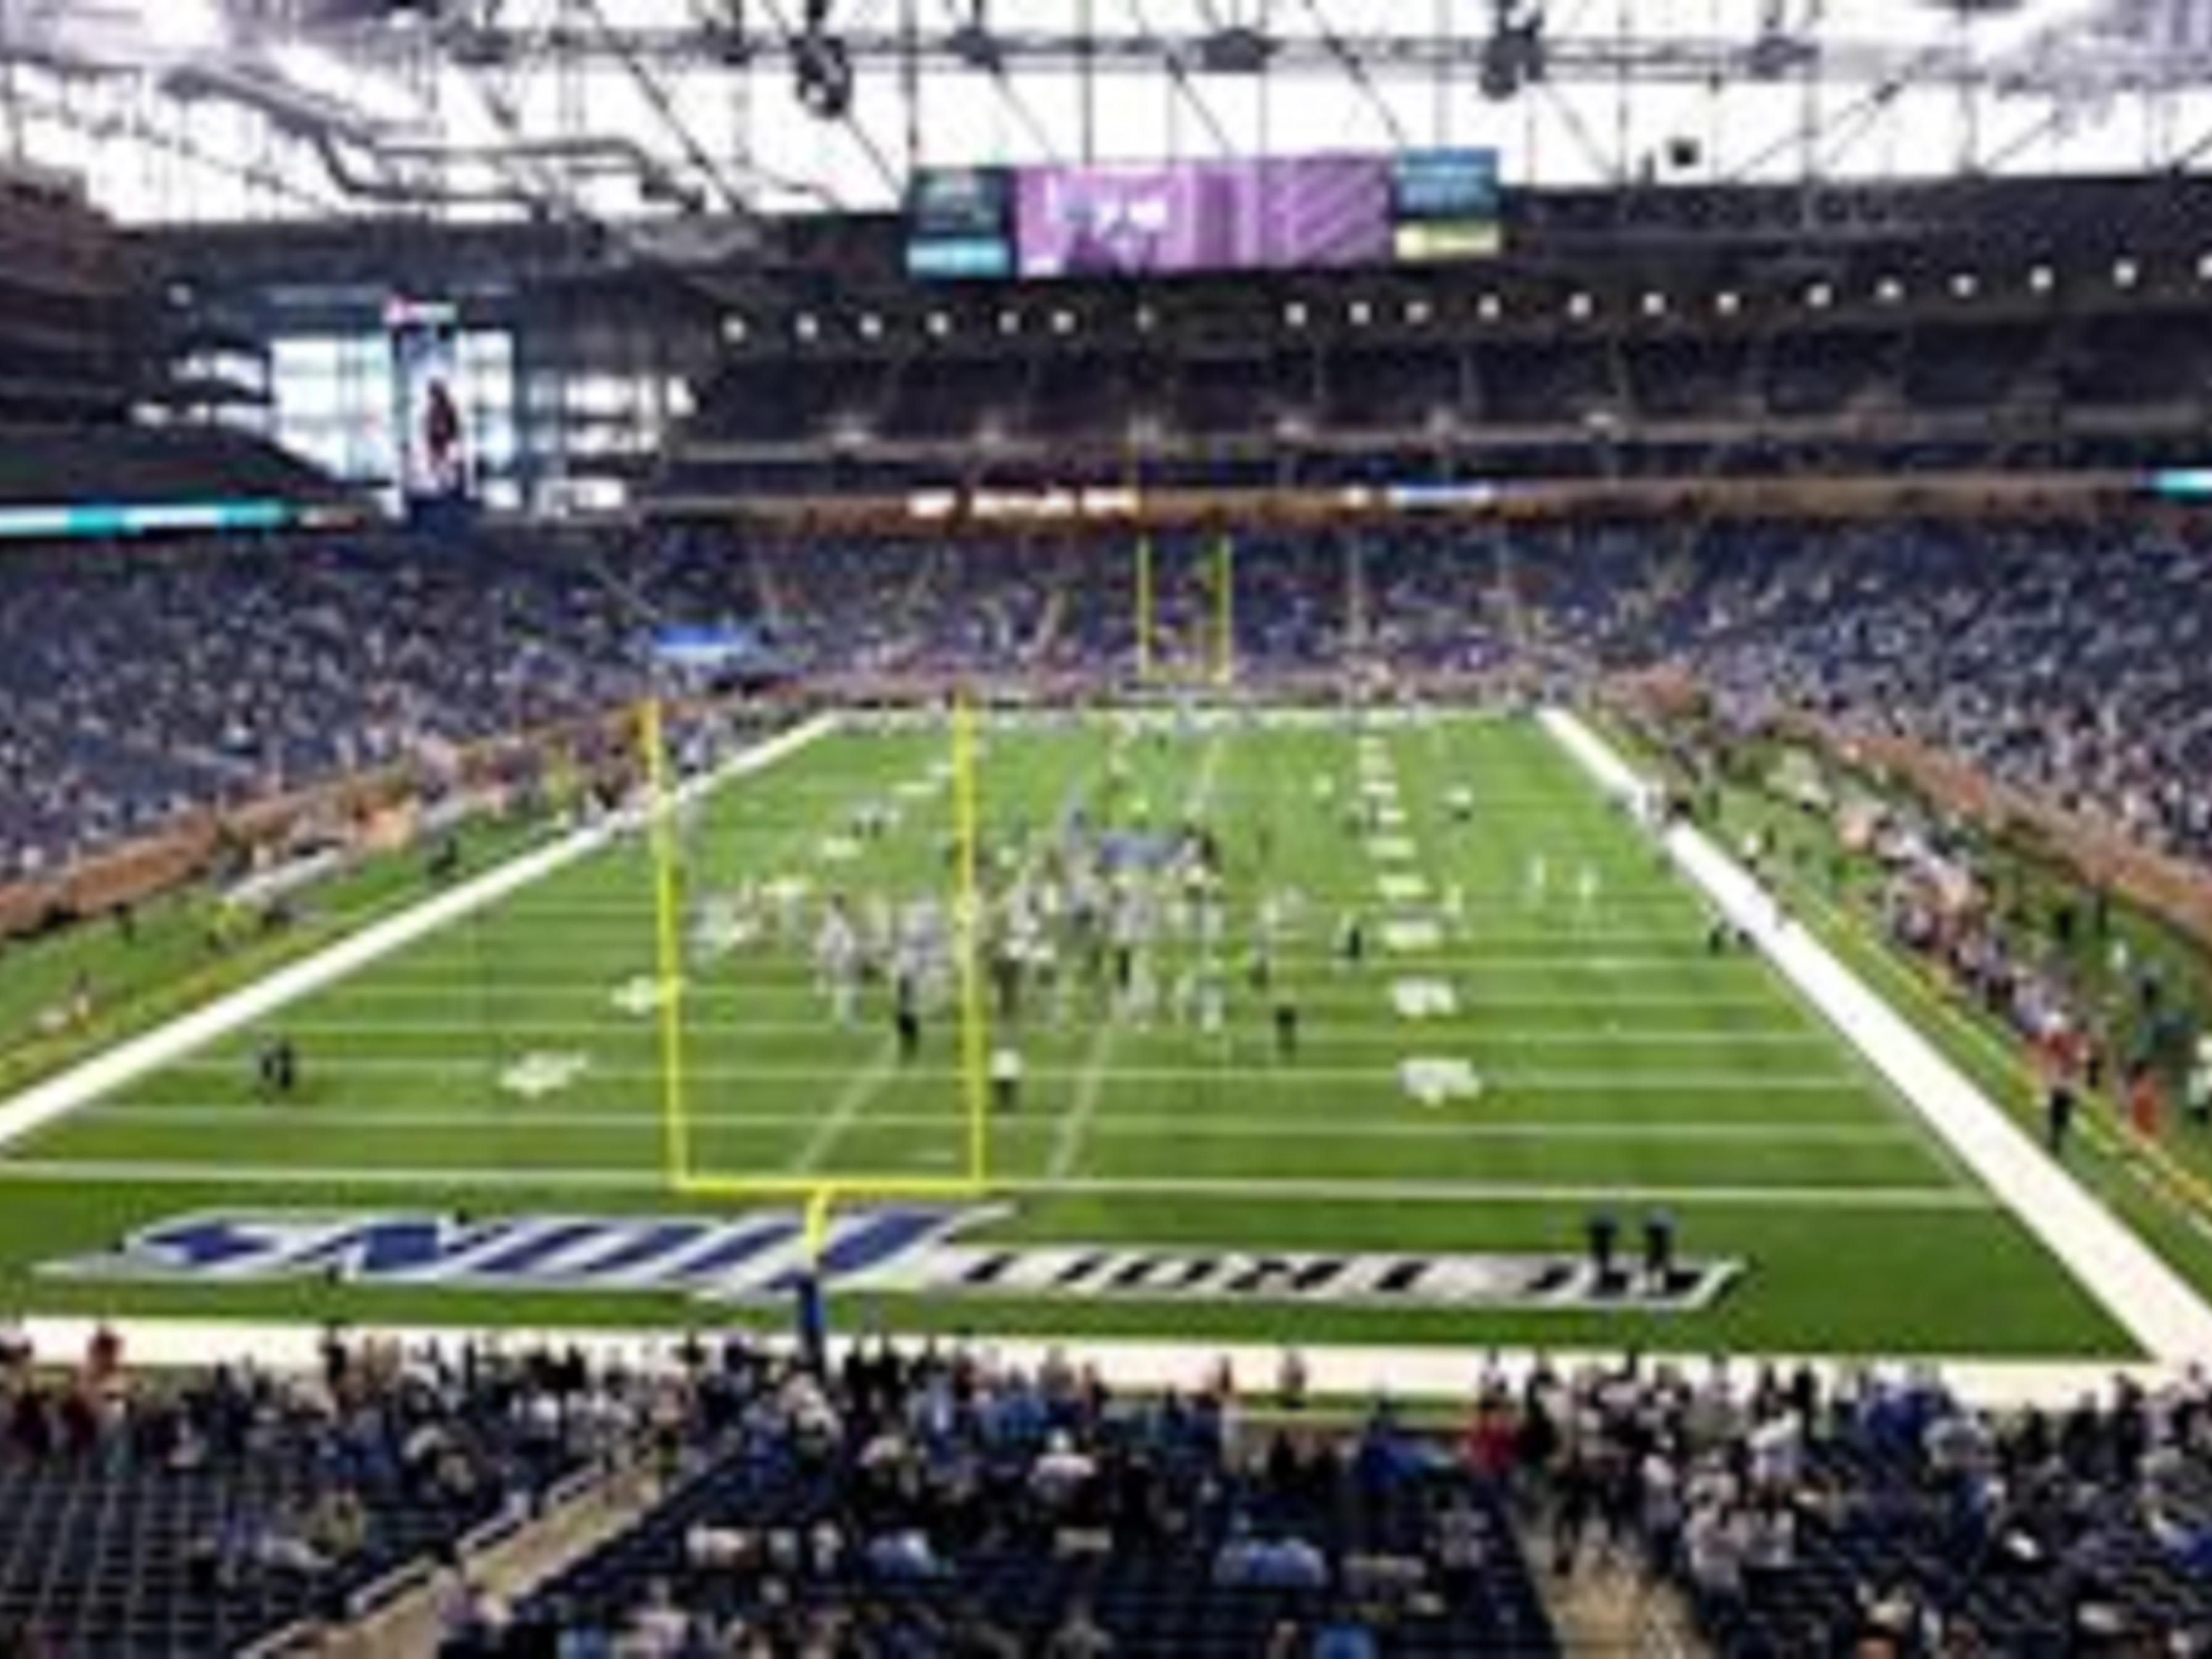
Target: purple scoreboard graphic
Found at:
x=1153, y=219
x=1203, y=216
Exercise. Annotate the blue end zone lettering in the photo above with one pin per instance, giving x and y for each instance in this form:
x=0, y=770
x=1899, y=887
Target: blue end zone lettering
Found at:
x=898, y=1251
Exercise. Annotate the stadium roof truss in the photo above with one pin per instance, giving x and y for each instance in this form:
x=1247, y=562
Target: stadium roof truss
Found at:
x=701, y=111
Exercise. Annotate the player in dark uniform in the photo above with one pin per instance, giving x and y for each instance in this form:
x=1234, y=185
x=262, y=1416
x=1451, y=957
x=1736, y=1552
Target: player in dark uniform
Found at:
x=276, y=1068
x=906, y=1016
x=2058, y=1104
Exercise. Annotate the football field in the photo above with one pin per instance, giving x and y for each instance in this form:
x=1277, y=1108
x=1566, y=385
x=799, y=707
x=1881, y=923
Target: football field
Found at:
x=1534, y=1030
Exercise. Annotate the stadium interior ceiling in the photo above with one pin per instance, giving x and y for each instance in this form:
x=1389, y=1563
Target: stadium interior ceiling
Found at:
x=691, y=110
x=1763, y=236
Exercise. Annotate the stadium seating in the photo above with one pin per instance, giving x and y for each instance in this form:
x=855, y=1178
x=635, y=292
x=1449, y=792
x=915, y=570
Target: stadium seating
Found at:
x=47, y=466
x=2082, y=680
x=1900, y=1515
x=941, y=1506
x=147, y=1516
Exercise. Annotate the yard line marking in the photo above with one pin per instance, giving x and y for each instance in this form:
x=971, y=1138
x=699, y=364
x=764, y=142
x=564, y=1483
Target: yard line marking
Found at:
x=1323, y=998
x=1461, y=1192
x=1090, y=1084
x=1476, y=900
x=1200, y=797
x=1293, y=1189
x=378, y=1120
x=853, y=1099
x=1238, y=1068
x=1447, y=1025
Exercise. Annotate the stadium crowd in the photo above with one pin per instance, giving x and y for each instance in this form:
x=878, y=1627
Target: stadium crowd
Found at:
x=933, y=1502
x=2067, y=657
x=936, y=1501
x=1871, y=1513
x=152, y=1513
x=137, y=686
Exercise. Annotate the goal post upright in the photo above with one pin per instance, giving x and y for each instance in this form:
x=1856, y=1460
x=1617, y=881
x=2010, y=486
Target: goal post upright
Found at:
x=1224, y=610
x=668, y=945
x=1144, y=603
x=975, y=1100
x=816, y=1195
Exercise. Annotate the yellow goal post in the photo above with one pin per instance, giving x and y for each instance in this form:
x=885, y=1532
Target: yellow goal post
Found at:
x=682, y=1171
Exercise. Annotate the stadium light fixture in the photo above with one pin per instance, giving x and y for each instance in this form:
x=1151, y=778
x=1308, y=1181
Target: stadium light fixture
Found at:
x=1063, y=321
x=872, y=326
x=1417, y=313
x=1965, y=284
x=1359, y=313
x=2041, y=279
x=806, y=325
x=1236, y=49
x=1819, y=296
x=1010, y=322
x=1655, y=304
x=939, y=325
x=2126, y=273
x=2204, y=267
x=1147, y=319
x=736, y=331
x=1889, y=290
x=1294, y=314
x=1728, y=302
x=1580, y=304
x=1489, y=308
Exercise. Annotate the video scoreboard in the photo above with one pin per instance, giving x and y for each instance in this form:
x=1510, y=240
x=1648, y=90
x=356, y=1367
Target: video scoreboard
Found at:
x=1179, y=218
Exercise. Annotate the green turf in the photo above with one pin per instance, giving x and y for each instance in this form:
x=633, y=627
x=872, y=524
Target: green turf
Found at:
x=1621, y=1063
x=1838, y=893
x=174, y=954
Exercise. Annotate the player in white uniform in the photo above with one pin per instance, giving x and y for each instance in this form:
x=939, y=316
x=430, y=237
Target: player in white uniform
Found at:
x=837, y=961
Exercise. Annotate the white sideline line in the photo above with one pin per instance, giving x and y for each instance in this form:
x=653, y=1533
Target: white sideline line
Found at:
x=2146, y=1297
x=57, y=1096
x=374, y=1120
x=644, y=1179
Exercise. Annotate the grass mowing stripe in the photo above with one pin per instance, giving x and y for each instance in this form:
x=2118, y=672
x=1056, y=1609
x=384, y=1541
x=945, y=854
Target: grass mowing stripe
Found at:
x=1110, y=1124
x=645, y=1179
x=1412, y=1034
x=1641, y=1081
